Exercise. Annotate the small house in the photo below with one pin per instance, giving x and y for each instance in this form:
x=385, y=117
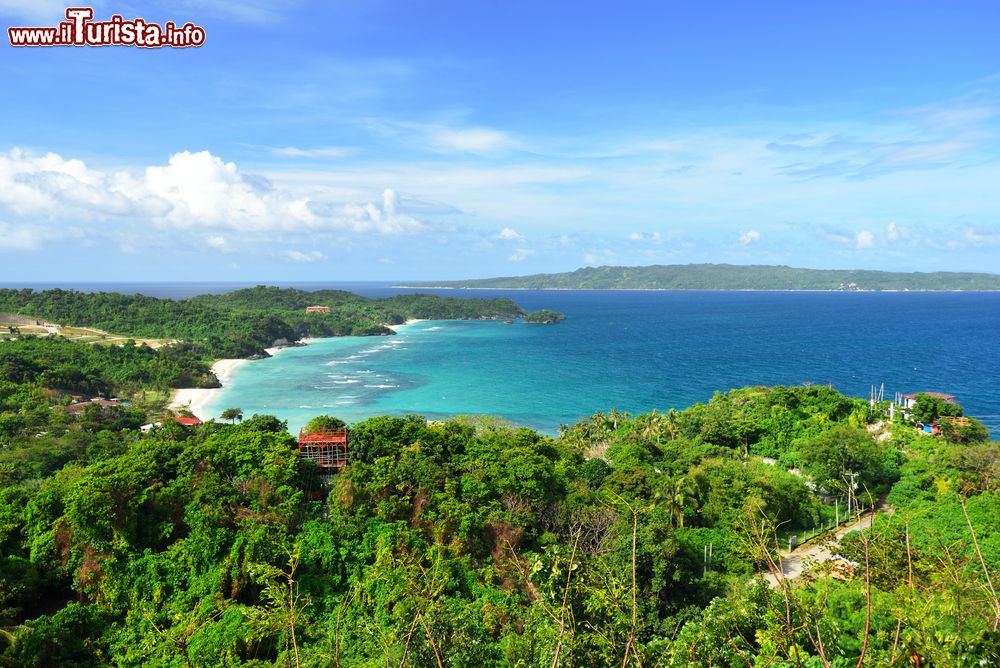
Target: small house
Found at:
x=910, y=400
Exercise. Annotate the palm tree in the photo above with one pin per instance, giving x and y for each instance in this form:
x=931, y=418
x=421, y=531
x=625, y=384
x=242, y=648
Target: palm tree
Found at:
x=614, y=416
x=232, y=414
x=671, y=425
x=679, y=495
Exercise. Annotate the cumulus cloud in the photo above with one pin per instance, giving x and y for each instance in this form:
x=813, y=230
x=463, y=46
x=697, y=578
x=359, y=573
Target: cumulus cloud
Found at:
x=520, y=254
x=864, y=239
x=364, y=217
x=192, y=191
x=748, y=237
x=896, y=232
x=509, y=234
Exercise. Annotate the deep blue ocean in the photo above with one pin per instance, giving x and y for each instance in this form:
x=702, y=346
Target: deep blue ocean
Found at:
x=631, y=350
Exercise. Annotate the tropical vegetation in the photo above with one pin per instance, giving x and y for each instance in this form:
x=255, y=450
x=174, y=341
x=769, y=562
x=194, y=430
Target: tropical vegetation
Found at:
x=245, y=322
x=731, y=277
x=625, y=540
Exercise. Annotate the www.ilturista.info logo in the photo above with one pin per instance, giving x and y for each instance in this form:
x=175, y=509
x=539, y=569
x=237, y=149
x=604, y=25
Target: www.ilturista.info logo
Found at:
x=82, y=30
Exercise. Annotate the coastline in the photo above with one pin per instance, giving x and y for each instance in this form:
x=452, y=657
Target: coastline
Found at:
x=866, y=290
x=195, y=399
x=409, y=322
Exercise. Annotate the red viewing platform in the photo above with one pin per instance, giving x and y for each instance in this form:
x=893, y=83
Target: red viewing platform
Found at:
x=326, y=447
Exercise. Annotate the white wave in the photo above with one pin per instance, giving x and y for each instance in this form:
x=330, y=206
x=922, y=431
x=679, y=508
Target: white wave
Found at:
x=382, y=387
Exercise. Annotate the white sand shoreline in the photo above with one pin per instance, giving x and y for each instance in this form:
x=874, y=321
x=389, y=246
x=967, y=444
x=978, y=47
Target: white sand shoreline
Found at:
x=409, y=322
x=195, y=399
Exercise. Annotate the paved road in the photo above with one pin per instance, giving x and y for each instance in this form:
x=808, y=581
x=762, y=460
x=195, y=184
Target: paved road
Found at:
x=794, y=563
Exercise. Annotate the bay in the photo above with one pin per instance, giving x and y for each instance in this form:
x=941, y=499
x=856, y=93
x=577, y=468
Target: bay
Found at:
x=636, y=351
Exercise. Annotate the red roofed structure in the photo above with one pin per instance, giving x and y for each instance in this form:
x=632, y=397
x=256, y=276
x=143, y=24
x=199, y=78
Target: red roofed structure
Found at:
x=186, y=421
x=326, y=447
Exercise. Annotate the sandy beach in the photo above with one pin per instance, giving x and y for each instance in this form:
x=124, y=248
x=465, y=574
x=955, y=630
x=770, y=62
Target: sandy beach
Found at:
x=194, y=399
x=413, y=321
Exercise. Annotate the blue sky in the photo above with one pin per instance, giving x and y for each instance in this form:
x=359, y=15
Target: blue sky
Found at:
x=382, y=140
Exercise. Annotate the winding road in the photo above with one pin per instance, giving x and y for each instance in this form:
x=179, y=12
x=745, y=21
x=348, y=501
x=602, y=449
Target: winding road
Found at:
x=794, y=563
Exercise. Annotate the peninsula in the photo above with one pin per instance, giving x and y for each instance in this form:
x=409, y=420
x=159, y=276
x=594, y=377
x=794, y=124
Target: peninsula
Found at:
x=730, y=277
x=243, y=323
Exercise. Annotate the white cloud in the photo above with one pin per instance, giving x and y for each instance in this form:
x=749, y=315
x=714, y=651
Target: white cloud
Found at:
x=653, y=237
x=47, y=186
x=896, y=232
x=299, y=256
x=216, y=241
x=193, y=191
x=365, y=217
x=21, y=237
x=318, y=152
x=600, y=256
x=834, y=234
x=864, y=239
x=445, y=138
x=982, y=236
x=520, y=254
x=748, y=237
x=472, y=140
x=509, y=234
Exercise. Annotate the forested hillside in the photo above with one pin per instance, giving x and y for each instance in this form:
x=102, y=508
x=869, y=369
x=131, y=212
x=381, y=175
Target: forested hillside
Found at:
x=473, y=543
x=731, y=277
x=244, y=322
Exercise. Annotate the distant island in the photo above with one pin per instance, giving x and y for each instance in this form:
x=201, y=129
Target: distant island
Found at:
x=730, y=277
x=544, y=317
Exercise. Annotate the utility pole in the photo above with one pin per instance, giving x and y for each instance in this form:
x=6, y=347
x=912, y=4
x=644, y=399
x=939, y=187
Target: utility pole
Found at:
x=850, y=492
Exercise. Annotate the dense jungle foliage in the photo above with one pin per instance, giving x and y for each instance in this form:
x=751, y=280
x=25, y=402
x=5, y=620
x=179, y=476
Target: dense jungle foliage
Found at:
x=244, y=322
x=475, y=543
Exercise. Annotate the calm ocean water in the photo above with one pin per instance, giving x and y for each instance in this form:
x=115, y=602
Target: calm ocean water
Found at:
x=633, y=350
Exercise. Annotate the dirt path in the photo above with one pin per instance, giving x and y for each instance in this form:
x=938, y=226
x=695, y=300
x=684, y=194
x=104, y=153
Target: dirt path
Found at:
x=805, y=557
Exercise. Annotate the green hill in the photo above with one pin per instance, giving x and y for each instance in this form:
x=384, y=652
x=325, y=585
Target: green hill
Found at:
x=731, y=277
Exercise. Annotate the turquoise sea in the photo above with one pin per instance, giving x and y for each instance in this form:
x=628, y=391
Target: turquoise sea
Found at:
x=636, y=351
